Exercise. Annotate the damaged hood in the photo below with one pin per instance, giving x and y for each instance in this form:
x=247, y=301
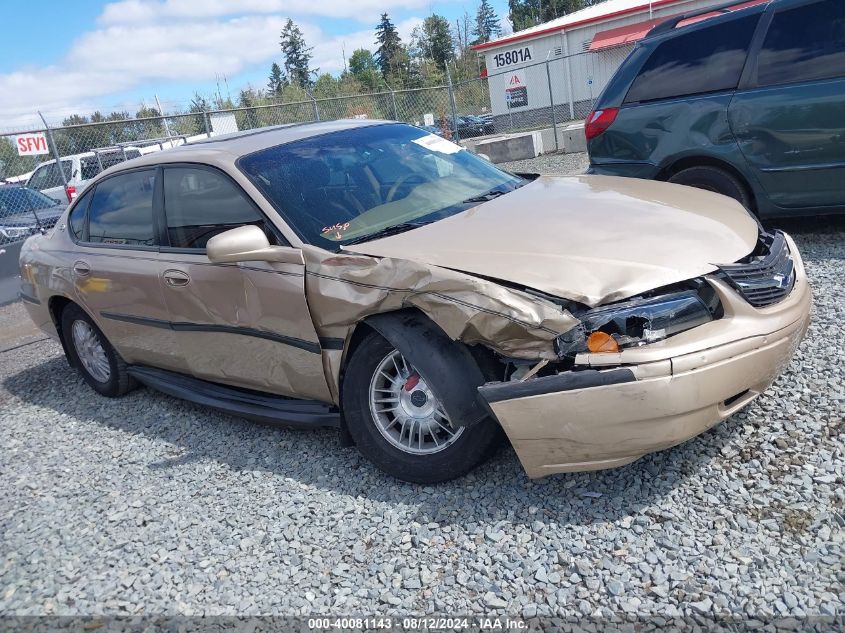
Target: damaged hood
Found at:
x=591, y=239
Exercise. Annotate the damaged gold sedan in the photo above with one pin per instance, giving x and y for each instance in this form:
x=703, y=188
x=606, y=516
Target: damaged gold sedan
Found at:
x=370, y=276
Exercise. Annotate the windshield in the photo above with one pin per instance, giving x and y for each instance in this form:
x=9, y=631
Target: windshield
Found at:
x=350, y=184
x=20, y=199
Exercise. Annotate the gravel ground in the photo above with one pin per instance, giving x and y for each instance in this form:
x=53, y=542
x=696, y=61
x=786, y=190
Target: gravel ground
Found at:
x=574, y=163
x=16, y=328
x=152, y=505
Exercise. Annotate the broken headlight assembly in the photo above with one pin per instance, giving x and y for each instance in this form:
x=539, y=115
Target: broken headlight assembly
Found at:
x=638, y=321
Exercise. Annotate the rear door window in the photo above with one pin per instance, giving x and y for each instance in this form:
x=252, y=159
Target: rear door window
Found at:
x=121, y=211
x=803, y=44
x=709, y=59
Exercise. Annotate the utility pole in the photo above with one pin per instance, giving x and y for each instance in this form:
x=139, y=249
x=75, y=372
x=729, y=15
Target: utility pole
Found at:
x=55, y=151
x=166, y=126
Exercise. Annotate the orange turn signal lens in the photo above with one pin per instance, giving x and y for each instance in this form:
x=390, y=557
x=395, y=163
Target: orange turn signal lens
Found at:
x=599, y=342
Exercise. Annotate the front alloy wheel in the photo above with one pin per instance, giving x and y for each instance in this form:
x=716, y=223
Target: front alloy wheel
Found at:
x=397, y=421
x=406, y=411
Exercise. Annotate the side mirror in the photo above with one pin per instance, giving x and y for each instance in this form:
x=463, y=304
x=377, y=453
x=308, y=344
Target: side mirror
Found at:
x=248, y=243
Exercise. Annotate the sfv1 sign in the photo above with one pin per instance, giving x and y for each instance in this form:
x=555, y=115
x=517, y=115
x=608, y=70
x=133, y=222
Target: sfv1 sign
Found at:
x=32, y=144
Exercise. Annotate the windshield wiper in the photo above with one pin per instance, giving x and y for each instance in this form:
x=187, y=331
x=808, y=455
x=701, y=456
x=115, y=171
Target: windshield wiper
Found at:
x=494, y=193
x=485, y=197
x=393, y=229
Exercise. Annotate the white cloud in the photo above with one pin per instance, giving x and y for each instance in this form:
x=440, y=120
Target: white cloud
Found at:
x=147, y=48
x=140, y=11
x=327, y=52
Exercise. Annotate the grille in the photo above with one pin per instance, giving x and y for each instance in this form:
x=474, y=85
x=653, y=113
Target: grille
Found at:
x=768, y=273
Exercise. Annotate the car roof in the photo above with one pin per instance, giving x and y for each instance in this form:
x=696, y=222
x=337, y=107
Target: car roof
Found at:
x=238, y=144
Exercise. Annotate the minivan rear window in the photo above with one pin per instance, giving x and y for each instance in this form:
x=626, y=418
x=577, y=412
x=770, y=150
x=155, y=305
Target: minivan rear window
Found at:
x=708, y=59
x=804, y=44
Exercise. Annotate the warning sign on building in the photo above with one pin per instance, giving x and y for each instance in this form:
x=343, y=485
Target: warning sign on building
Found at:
x=516, y=90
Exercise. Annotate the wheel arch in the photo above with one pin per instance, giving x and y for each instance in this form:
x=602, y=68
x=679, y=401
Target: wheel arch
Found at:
x=436, y=355
x=56, y=305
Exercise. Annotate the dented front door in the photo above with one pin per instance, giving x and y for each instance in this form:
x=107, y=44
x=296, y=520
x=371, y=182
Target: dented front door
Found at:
x=245, y=325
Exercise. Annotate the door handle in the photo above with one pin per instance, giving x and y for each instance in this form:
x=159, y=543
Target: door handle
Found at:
x=176, y=278
x=81, y=269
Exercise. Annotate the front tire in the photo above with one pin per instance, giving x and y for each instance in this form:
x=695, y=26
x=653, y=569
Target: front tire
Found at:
x=714, y=179
x=398, y=423
x=92, y=355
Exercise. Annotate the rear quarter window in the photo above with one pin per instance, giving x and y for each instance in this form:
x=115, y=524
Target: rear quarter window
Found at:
x=78, y=216
x=803, y=44
x=708, y=59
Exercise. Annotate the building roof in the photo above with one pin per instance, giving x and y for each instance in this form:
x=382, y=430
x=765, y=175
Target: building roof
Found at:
x=589, y=15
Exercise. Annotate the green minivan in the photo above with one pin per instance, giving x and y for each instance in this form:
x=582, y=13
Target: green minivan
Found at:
x=746, y=99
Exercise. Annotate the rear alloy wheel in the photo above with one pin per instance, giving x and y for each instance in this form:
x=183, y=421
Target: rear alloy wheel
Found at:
x=397, y=421
x=90, y=351
x=714, y=179
x=92, y=354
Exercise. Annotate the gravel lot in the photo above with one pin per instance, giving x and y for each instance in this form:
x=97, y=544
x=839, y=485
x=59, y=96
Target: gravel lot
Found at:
x=551, y=164
x=151, y=505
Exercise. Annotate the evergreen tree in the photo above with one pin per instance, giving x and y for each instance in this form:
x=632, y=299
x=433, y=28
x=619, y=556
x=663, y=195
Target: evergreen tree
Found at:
x=297, y=55
x=436, y=42
x=486, y=23
x=276, y=81
x=389, y=46
x=248, y=116
x=153, y=127
x=526, y=13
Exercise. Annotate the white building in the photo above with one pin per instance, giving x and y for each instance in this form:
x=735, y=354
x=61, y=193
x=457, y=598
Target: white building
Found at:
x=583, y=50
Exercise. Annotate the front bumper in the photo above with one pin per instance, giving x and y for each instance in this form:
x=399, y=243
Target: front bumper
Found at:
x=649, y=398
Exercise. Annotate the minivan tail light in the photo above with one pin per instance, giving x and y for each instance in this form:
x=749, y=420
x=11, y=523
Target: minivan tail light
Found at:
x=70, y=190
x=599, y=121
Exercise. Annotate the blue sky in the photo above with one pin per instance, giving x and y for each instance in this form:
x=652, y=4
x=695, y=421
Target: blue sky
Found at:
x=114, y=55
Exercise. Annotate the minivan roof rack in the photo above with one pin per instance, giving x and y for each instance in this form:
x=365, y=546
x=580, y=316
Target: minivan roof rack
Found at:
x=673, y=21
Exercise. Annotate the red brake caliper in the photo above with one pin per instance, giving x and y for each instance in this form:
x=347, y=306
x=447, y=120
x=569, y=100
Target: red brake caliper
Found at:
x=411, y=382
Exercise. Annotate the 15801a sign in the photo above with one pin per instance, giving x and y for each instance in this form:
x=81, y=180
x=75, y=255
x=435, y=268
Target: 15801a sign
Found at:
x=515, y=56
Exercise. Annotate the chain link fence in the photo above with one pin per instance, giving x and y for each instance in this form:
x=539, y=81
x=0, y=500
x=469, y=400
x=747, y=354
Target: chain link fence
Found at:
x=58, y=161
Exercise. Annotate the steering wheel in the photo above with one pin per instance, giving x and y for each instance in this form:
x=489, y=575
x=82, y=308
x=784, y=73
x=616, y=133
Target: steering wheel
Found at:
x=401, y=181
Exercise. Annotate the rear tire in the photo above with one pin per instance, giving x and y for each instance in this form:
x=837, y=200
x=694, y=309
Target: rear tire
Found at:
x=92, y=355
x=375, y=399
x=714, y=179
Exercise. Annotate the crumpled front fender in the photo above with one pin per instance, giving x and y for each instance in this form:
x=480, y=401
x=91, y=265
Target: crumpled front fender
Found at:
x=344, y=289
